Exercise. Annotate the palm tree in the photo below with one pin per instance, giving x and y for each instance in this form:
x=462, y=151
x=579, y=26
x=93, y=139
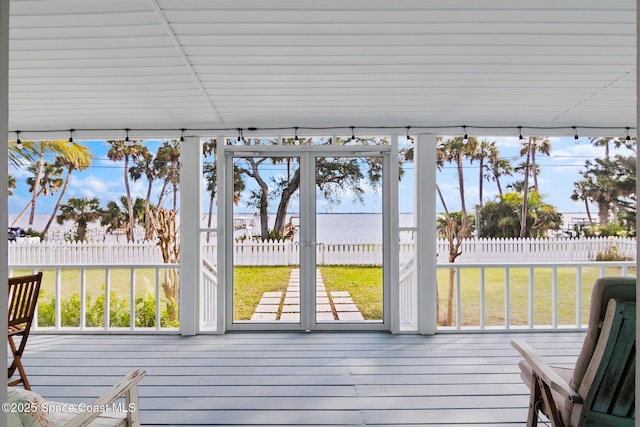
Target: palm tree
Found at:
x=167, y=165
x=46, y=181
x=581, y=192
x=144, y=167
x=126, y=150
x=11, y=184
x=455, y=150
x=79, y=159
x=602, y=142
x=82, y=212
x=529, y=149
x=116, y=216
x=483, y=152
x=35, y=151
x=497, y=167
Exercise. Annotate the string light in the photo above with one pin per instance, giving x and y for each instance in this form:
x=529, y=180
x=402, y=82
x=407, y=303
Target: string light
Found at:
x=71, y=136
x=465, y=138
x=409, y=138
x=296, y=139
x=441, y=128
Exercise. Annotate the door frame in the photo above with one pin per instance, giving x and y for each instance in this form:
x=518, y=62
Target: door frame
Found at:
x=307, y=155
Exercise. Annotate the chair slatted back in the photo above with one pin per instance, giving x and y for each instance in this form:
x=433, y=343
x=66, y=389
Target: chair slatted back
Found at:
x=23, y=297
x=610, y=377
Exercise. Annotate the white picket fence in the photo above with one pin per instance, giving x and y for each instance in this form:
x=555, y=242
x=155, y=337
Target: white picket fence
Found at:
x=523, y=250
x=339, y=253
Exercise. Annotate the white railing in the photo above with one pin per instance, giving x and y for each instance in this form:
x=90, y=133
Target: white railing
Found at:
x=130, y=299
x=572, y=295
x=493, y=298
x=408, y=297
x=337, y=253
x=208, y=296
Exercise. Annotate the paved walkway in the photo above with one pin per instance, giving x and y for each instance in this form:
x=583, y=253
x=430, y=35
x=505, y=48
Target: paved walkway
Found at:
x=285, y=306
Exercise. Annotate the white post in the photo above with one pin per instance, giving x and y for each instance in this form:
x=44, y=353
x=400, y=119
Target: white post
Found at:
x=425, y=200
x=637, y=183
x=393, y=238
x=4, y=160
x=225, y=266
x=190, y=257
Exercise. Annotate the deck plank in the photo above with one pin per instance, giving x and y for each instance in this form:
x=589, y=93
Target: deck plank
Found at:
x=298, y=379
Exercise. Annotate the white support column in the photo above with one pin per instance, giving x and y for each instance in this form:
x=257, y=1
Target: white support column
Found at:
x=425, y=211
x=393, y=211
x=224, y=264
x=190, y=256
x=4, y=143
x=307, y=240
x=637, y=185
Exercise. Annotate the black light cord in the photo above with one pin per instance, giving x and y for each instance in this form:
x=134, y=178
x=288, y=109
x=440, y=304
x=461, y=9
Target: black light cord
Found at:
x=295, y=129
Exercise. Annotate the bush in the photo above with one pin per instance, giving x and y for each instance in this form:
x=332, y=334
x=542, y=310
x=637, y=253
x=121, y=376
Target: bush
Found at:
x=119, y=311
x=612, y=254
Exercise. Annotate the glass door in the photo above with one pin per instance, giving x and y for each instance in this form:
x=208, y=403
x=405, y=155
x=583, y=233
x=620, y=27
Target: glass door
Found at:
x=349, y=280
x=295, y=259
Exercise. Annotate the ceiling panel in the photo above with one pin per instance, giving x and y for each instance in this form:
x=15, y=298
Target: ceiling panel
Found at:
x=171, y=64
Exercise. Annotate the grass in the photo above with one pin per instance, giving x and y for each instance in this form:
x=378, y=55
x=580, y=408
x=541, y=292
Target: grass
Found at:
x=119, y=283
x=249, y=283
x=364, y=283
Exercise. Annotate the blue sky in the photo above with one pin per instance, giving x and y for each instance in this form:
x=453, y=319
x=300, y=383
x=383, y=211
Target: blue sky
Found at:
x=104, y=179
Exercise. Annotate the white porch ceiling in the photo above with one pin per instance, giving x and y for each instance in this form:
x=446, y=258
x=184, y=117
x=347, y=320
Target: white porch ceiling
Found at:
x=170, y=64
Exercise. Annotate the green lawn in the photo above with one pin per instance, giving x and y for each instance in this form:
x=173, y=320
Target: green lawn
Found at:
x=364, y=283
x=249, y=283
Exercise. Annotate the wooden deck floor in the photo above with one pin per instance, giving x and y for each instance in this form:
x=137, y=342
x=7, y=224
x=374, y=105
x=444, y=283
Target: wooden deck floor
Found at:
x=298, y=379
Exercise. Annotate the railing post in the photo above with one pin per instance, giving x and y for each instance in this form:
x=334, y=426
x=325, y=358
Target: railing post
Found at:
x=578, y=297
x=554, y=296
x=531, y=298
x=507, y=297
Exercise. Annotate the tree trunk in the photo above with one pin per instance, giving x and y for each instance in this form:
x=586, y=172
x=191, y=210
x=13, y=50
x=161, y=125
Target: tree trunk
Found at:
x=36, y=193
x=131, y=236
x=281, y=213
x=461, y=186
x=534, y=169
x=523, y=215
x=57, y=206
x=166, y=228
x=498, y=184
x=481, y=180
x=586, y=208
x=148, y=233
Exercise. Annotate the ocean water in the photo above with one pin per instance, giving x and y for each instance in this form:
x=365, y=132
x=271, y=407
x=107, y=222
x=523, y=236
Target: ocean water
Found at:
x=332, y=227
x=343, y=227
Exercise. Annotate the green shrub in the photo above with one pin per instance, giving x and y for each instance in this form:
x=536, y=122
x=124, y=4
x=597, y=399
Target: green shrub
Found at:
x=119, y=311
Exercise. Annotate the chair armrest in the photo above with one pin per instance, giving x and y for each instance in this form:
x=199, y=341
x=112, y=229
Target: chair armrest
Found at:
x=545, y=372
x=127, y=386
